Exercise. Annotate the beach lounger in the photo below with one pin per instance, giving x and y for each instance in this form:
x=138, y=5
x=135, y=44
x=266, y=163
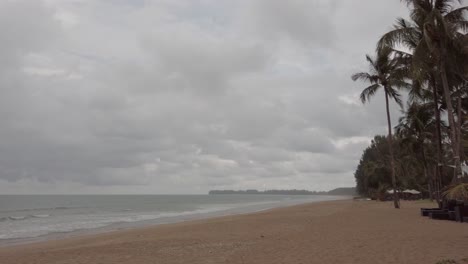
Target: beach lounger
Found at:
x=440, y=215
x=426, y=211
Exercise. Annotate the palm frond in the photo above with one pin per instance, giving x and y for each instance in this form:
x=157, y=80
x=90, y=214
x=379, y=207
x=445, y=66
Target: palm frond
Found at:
x=365, y=77
x=460, y=25
x=403, y=33
x=445, y=6
x=396, y=96
x=421, y=61
x=369, y=92
x=401, y=84
x=370, y=60
x=457, y=15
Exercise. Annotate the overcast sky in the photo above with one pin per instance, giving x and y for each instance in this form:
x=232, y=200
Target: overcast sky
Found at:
x=184, y=96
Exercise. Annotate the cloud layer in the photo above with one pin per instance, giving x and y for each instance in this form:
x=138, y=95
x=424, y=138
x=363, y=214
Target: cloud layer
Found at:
x=185, y=96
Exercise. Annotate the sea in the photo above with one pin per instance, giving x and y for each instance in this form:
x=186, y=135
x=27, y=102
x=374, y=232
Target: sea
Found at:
x=31, y=218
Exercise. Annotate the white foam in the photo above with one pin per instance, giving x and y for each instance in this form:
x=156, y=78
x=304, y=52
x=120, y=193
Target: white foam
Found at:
x=40, y=215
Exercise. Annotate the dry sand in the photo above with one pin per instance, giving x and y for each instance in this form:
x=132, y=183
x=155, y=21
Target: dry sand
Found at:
x=328, y=232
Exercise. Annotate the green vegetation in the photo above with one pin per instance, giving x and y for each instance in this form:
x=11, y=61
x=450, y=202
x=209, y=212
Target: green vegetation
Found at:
x=426, y=56
x=349, y=191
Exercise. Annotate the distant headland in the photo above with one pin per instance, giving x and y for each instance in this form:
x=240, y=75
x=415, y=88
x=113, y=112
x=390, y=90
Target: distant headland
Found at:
x=338, y=191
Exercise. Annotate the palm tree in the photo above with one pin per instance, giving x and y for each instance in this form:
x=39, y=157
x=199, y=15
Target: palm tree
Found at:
x=409, y=34
x=415, y=126
x=384, y=73
x=433, y=34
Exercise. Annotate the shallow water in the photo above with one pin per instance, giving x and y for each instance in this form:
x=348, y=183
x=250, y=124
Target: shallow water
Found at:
x=25, y=217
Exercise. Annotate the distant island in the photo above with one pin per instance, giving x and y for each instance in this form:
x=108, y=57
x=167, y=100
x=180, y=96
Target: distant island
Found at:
x=350, y=191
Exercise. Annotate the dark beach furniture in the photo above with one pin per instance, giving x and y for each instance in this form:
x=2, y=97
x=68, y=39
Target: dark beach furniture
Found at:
x=451, y=204
x=426, y=211
x=449, y=210
x=461, y=213
x=452, y=215
x=440, y=215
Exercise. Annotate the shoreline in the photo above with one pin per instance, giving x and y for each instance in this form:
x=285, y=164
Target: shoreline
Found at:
x=165, y=220
x=343, y=231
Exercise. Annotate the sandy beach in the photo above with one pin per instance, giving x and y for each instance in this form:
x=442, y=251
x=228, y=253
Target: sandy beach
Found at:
x=361, y=232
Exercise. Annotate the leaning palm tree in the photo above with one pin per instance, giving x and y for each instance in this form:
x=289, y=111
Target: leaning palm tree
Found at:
x=385, y=74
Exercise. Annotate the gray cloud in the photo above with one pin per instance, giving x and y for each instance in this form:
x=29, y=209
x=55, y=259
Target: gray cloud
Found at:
x=184, y=96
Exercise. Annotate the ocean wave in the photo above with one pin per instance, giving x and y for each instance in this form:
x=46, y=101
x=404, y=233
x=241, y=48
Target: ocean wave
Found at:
x=40, y=215
x=16, y=218
x=63, y=208
x=44, y=209
x=23, y=217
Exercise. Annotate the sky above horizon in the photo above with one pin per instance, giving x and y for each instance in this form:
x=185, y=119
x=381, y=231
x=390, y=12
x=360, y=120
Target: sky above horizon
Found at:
x=184, y=96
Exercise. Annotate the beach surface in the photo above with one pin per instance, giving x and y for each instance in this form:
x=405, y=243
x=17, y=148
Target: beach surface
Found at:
x=361, y=232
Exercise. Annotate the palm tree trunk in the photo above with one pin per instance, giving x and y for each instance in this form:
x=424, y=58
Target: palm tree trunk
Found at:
x=426, y=174
x=396, y=200
x=438, y=133
x=459, y=129
x=451, y=119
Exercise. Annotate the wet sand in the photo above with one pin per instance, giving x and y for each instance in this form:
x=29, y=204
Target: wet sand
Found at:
x=361, y=232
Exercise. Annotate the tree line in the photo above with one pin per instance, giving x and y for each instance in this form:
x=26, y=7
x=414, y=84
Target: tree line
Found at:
x=426, y=56
x=349, y=191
